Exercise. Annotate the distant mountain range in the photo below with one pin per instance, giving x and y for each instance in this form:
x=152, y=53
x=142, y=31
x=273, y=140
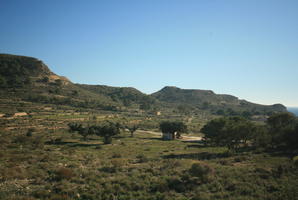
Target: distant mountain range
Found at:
x=29, y=79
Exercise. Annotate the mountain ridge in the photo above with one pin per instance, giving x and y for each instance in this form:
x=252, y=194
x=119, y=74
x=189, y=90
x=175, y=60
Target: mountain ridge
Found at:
x=30, y=79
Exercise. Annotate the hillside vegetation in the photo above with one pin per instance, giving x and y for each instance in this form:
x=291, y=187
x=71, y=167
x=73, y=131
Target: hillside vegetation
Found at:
x=188, y=99
x=30, y=80
x=66, y=141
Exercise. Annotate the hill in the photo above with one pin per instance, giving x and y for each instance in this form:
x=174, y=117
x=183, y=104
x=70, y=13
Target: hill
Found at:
x=27, y=79
x=190, y=99
x=126, y=96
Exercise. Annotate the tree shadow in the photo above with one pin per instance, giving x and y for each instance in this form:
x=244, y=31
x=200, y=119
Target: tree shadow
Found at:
x=195, y=144
x=59, y=143
x=72, y=144
x=119, y=137
x=84, y=145
x=156, y=139
x=196, y=156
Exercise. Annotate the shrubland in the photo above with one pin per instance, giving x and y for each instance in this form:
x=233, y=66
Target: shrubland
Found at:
x=58, y=164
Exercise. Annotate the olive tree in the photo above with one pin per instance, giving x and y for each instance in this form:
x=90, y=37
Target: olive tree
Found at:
x=132, y=129
x=106, y=130
x=173, y=127
x=83, y=131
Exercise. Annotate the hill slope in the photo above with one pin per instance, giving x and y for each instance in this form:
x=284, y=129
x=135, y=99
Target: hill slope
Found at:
x=208, y=100
x=29, y=79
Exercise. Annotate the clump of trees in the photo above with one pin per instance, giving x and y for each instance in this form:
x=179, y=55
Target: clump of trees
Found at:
x=280, y=131
x=232, y=132
x=173, y=127
x=106, y=130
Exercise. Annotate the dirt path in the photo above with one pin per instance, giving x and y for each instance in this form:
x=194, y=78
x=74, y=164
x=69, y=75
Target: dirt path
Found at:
x=184, y=138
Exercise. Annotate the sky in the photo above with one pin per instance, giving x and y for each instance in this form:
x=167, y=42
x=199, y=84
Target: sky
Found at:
x=246, y=48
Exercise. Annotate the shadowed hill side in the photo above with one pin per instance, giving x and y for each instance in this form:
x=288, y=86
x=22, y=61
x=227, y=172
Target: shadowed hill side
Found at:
x=208, y=100
x=127, y=96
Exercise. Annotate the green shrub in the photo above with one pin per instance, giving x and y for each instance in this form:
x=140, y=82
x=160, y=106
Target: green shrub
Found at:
x=240, y=159
x=118, y=163
x=30, y=132
x=116, y=155
x=201, y=171
x=142, y=158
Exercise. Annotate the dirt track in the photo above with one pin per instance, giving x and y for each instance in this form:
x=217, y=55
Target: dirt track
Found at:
x=184, y=138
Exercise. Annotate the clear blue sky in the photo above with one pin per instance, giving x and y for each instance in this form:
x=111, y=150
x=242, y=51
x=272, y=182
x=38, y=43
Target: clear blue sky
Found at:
x=247, y=48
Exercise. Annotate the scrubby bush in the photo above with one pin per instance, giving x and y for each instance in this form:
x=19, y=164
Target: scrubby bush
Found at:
x=201, y=171
x=142, y=158
x=30, y=132
x=64, y=173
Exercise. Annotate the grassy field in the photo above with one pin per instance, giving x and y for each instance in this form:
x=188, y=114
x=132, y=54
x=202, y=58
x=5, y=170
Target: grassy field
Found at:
x=58, y=165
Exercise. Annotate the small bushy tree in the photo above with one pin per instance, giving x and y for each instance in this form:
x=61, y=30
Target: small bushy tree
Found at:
x=83, y=131
x=132, y=129
x=173, y=127
x=283, y=129
x=106, y=130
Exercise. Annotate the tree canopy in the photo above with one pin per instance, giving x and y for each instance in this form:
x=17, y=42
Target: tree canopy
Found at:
x=280, y=130
x=173, y=127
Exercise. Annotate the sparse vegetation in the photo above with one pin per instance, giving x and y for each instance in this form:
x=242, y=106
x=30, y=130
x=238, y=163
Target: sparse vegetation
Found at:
x=243, y=156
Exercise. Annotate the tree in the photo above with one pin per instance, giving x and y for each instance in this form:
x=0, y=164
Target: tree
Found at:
x=83, y=131
x=283, y=129
x=213, y=131
x=231, y=132
x=261, y=136
x=173, y=127
x=132, y=129
x=107, y=131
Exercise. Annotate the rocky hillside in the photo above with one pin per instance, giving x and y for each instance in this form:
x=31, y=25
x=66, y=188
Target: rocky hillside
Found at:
x=29, y=79
x=208, y=100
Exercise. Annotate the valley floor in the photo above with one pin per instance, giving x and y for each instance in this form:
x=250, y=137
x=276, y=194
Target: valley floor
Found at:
x=58, y=165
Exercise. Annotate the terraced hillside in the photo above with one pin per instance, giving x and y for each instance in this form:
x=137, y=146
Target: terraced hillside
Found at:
x=26, y=79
